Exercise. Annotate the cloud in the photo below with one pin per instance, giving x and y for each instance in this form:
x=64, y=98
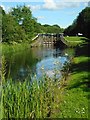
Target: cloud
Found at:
x=41, y=17
x=72, y=1
x=35, y=7
x=67, y=5
x=89, y=4
x=53, y=5
x=22, y=0
x=49, y=4
x=6, y=8
x=43, y=0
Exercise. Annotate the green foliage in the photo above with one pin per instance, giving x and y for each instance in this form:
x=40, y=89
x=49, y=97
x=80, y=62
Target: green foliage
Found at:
x=73, y=41
x=20, y=26
x=27, y=99
x=11, y=32
x=81, y=24
x=16, y=47
x=52, y=29
x=76, y=91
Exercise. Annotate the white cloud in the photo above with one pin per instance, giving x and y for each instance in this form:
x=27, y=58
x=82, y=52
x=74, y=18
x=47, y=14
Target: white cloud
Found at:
x=35, y=7
x=6, y=8
x=67, y=5
x=72, y=1
x=22, y=0
x=43, y=0
x=41, y=17
x=54, y=5
x=49, y=4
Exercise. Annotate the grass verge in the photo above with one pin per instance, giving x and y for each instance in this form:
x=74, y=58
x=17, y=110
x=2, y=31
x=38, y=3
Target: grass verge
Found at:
x=73, y=41
x=76, y=89
x=67, y=99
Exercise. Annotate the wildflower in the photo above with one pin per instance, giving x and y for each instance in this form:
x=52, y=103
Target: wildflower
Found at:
x=35, y=76
x=83, y=112
x=42, y=68
x=56, y=62
x=64, y=101
x=66, y=54
x=38, y=86
x=59, y=87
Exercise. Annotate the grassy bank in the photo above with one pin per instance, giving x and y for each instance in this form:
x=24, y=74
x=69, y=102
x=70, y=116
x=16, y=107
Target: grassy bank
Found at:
x=49, y=98
x=73, y=41
x=28, y=99
x=9, y=48
x=76, y=90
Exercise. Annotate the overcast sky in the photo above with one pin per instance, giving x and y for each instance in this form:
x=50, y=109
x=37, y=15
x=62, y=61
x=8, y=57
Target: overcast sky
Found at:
x=61, y=12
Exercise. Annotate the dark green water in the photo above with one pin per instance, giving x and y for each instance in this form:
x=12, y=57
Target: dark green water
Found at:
x=37, y=61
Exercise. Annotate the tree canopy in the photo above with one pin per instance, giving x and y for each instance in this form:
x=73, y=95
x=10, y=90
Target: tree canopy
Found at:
x=19, y=25
x=81, y=24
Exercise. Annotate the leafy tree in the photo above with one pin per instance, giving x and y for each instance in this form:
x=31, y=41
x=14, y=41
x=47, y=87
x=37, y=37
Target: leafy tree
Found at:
x=24, y=18
x=81, y=24
x=52, y=29
x=20, y=26
x=11, y=31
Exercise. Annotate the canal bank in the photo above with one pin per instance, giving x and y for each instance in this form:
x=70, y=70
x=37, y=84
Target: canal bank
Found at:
x=76, y=92
x=68, y=99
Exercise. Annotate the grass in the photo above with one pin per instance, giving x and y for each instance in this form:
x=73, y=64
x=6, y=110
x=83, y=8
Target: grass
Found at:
x=76, y=89
x=26, y=100
x=9, y=48
x=76, y=92
x=49, y=99
x=73, y=41
x=29, y=99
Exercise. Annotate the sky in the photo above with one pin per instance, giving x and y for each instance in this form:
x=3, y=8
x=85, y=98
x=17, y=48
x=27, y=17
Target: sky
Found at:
x=60, y=12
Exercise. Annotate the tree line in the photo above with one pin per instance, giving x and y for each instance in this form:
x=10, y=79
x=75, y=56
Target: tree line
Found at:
x=19, y=25
x=81, y=24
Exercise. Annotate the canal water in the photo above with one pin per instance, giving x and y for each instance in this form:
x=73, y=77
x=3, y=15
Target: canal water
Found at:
x=36, y=62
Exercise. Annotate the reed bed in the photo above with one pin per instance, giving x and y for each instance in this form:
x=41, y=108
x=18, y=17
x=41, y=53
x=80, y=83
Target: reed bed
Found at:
x=9, y=48
x=28, y=99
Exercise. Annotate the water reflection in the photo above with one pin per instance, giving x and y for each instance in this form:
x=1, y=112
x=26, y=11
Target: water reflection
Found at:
x=49, y=65
x=36, y=61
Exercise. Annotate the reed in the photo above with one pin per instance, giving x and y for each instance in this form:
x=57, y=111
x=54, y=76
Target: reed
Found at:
x=28, y=99
x=9, y=48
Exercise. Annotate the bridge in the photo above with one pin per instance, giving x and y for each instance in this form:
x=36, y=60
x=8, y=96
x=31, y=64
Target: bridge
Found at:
x=49, y=39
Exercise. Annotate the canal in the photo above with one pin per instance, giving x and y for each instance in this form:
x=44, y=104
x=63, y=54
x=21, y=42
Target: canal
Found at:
x=36, y=62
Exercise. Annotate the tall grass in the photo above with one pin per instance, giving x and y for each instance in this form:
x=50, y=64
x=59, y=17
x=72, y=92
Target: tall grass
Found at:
x=29, y=99
x=9, y=48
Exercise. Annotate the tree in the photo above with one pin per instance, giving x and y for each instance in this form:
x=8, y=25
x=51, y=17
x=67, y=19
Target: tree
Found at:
x=52, y=28
x=81, y=24
x=11, y=31
x=24, y=18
